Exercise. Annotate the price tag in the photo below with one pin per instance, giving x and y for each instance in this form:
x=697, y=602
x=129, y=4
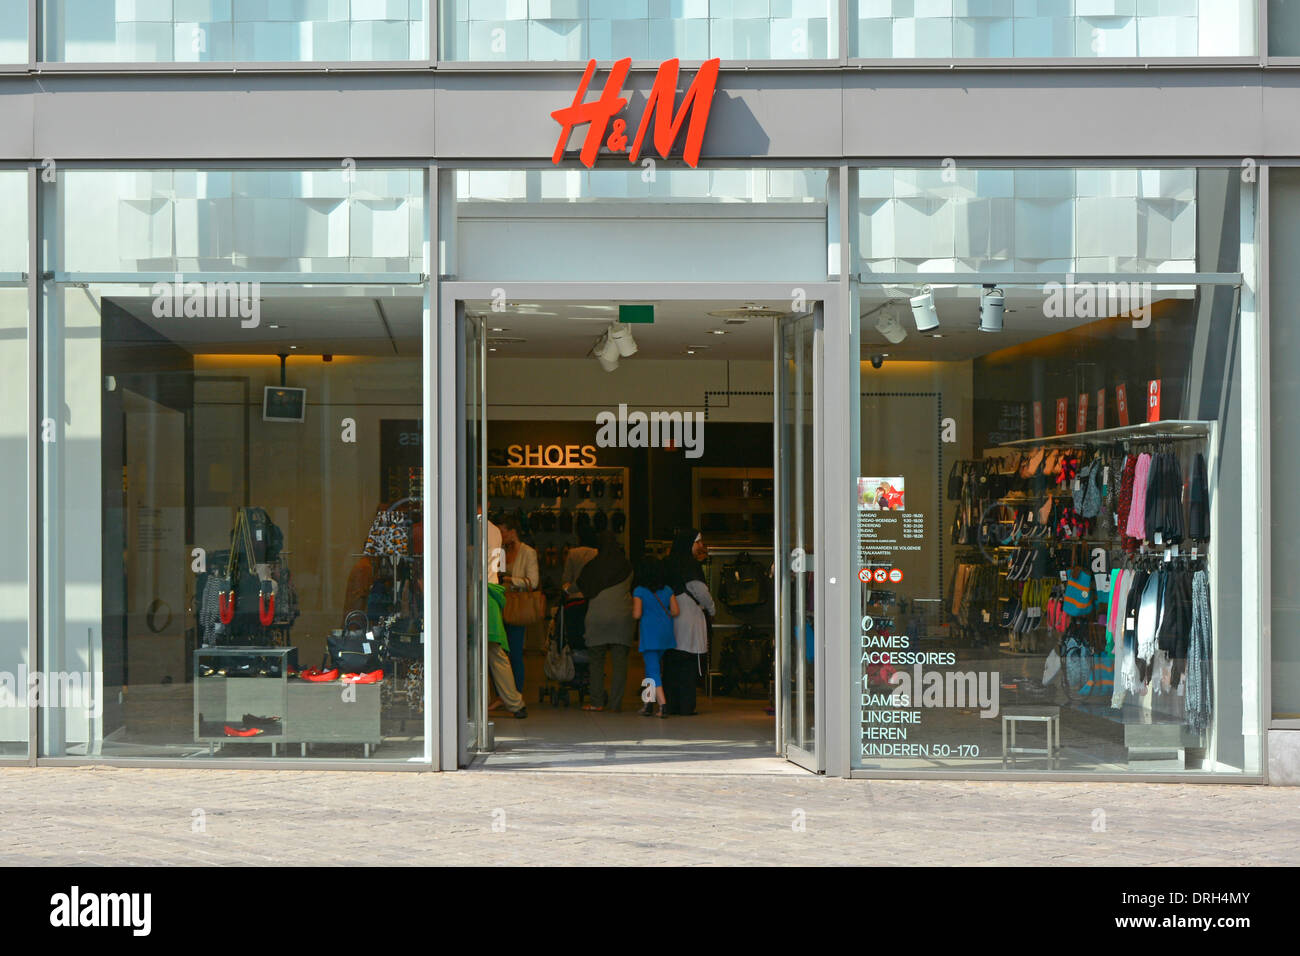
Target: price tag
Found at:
x=1064, y=575
x=1103, y=582
x=1131, y=623
x=1159, y=539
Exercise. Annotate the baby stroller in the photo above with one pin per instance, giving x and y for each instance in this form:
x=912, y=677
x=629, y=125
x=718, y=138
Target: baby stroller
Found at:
x=566, y=664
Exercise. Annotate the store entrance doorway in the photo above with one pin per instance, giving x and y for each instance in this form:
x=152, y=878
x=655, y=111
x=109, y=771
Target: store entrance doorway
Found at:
x=624, y=416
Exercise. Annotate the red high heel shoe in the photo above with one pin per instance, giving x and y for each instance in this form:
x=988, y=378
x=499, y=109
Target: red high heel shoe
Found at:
x=373, y=677
x=246, y=732
x=321, y=677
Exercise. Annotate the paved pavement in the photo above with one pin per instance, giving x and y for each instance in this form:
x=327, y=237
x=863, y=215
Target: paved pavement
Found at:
x=110, y=816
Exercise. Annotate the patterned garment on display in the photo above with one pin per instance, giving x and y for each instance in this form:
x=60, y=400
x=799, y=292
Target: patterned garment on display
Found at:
x=1200, y=682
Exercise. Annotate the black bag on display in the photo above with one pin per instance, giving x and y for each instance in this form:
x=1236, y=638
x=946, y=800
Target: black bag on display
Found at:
x=742, y=584
x=268, y=539
x=954, y=481
x=350, y=649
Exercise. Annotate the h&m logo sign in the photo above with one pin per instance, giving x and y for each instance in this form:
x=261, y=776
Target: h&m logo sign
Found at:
x=601, y=114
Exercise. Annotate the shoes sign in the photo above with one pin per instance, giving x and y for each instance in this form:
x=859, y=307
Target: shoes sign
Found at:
x=602, y=115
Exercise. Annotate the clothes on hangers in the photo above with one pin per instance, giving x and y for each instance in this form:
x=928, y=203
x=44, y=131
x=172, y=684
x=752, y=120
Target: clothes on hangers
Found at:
x=1199, y=697
x=1126, y=502
x=1136, y=526
x=1198, y=502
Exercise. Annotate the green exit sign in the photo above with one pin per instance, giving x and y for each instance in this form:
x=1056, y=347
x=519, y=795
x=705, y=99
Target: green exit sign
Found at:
x=636, y=314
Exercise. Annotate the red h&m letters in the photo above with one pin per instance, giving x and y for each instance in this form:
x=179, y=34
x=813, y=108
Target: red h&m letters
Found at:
x=660, y=105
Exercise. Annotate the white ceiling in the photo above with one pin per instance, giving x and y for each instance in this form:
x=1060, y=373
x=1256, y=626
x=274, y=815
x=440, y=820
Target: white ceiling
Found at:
x=553, y=329
x=350, y=320
x=383, y=321
x=959, y=318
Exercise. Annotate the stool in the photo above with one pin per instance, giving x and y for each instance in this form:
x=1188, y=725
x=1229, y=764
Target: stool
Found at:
x=708, y=683
x=1050, y=716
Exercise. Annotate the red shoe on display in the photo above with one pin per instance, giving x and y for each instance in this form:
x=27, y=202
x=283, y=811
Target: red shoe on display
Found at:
x=374, y=677
x=246, y=732
x=320, y=677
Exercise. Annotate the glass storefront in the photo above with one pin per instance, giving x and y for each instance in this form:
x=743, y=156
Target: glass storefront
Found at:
x=210, y=31
x=1049, y=475
x=1049, y=463
x=233, y=488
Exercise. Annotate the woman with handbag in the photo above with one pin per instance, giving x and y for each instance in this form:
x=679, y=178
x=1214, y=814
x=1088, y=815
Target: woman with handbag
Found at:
x=522, y=575
x=683, y=664
x=606, y=583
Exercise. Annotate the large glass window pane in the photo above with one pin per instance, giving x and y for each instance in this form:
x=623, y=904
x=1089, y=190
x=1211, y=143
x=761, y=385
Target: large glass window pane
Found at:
x=1049, y=475
x=198, y=31
x=13, y=31
x=14, y=663
x=1051, y=29
x=234, y=492
x=536, y=30
x=246, y=220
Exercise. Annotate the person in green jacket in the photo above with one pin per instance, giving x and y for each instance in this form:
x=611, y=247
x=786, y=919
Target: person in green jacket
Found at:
x=499, y=653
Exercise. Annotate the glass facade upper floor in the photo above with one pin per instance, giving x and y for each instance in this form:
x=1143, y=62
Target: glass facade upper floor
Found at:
x=537, y=31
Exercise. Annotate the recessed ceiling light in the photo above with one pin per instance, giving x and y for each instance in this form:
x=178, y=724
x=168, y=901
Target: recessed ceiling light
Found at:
x=936, y=335
x=293, y=346
x=717, y=331
x=499, y=329
x=690, y=351
x=272, y=326
x=492, y=348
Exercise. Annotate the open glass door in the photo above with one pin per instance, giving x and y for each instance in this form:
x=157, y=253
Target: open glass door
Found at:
x=474, y=736
x=796, y=544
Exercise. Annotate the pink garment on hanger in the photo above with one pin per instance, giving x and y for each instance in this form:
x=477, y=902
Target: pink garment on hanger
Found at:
x=1137, y=513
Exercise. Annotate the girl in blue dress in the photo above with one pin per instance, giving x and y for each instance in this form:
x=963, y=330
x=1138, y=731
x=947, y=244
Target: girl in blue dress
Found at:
x=654, y=607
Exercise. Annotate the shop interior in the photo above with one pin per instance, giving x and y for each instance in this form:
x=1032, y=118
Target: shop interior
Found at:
x=1005, y=428
x=262, y=514
x=561, y=482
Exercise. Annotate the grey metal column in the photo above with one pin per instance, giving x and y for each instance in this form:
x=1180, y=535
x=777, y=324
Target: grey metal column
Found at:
x=431, y=463
x=33, y=420
x=838, y=388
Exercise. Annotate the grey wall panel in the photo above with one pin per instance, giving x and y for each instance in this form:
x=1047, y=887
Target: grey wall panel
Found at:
x=1055, y=113
x=789, y=115
x=16, y=126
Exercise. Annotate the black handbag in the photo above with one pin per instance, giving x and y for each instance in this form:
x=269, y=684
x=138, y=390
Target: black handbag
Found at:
x=954, y=481
x=352, y=650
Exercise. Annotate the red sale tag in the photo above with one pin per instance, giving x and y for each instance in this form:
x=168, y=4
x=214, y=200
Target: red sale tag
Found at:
x=1062, y=415
x=1081, y=417
x=1153, y=400
x=1101, y=409
x=1121, y=401
x=1038, y=419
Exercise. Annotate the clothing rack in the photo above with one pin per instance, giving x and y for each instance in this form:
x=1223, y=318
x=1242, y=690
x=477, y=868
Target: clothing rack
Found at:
x=1171, y=429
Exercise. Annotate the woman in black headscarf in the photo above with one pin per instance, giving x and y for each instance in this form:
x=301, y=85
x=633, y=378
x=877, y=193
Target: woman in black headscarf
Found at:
x=682, y=666
x=606, y=583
